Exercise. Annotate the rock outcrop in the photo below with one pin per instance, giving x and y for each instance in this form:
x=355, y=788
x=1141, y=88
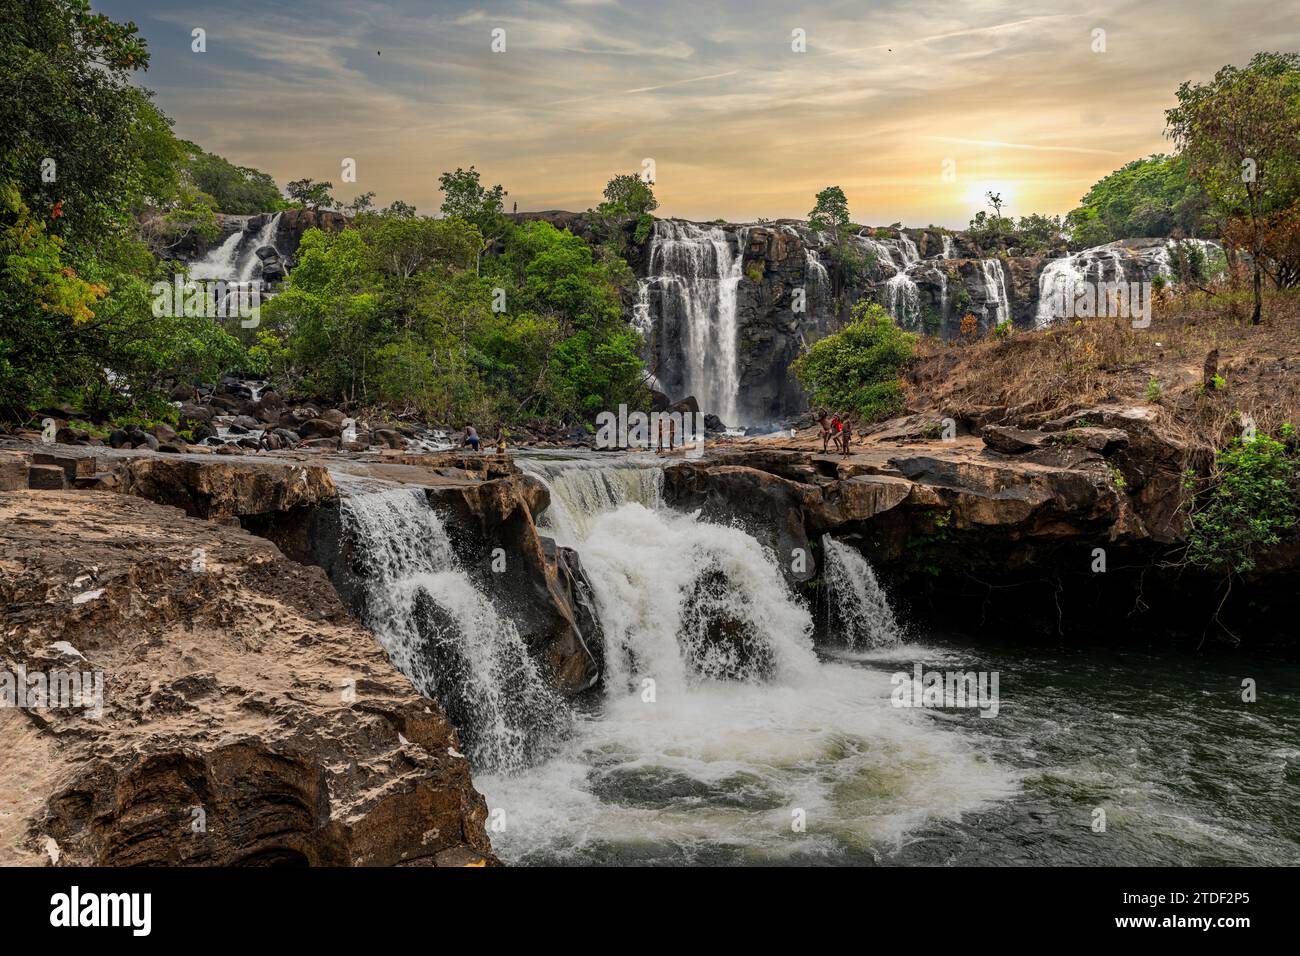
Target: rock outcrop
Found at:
x=246, y=718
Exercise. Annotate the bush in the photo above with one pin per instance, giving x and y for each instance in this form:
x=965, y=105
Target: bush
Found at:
x=857, y=368
x=1252, y=501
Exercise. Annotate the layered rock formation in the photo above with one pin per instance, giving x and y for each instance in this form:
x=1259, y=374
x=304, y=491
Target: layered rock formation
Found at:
x=246, y=718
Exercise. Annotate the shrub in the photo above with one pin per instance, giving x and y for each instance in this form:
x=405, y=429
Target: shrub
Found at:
x=857, y=368
x=1252, y=500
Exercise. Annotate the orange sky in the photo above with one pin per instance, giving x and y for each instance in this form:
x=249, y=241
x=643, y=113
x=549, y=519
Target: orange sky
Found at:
x=739, y=125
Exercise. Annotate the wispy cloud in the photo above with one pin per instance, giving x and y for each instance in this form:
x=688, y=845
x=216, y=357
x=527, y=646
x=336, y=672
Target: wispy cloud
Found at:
x=888, y=95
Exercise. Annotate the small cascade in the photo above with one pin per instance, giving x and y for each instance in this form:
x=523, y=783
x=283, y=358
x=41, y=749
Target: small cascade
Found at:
x=995, y=290
x=642, y=321
x=858, y=607
x=818, y=279
x=1056, y=286
x=444, y=633
x=265, y=237
x=221, y=262
x=903, y=298
x=948, y=251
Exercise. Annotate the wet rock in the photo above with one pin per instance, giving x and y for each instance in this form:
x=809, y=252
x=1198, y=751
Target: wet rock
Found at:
x=321, y=428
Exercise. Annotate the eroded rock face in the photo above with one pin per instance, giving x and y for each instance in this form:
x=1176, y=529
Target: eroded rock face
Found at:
x=225, y=491
x=247, y=719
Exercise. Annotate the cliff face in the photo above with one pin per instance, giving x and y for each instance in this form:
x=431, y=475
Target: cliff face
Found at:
x=764, y=292
x=246, y=719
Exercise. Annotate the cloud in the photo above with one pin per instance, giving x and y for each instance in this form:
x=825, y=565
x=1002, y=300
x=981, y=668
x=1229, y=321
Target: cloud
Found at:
x=739, y=124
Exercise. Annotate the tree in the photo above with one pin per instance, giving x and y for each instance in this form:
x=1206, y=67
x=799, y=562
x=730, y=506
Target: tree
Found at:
x=1152, y=197
x=464, y=196
x=627, y=196
x=238, y=190
x=830, y=214
x=311, y=194
x=857, y=369
x=362, y=203
x=1239, y=133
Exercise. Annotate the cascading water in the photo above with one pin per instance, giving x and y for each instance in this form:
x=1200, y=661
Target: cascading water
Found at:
x=995, y=290
x=856, y=603
x=444, y=633
x=235, y=260
x=696, y=271
x=718, y=719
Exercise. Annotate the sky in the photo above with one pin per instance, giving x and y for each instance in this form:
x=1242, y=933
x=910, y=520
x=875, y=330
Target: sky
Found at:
x=916, y=109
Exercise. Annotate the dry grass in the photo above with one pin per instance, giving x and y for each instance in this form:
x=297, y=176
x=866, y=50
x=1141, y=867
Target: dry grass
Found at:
x=1045, y=374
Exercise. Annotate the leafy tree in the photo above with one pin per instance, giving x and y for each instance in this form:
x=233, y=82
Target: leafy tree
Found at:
x=830, y=214
x=1239, y=133
x=627, y=196
x=857, y=369
x=1151, y=197
x=238, y=190
x=465, y=197
x=65, y=97
x=311, y=194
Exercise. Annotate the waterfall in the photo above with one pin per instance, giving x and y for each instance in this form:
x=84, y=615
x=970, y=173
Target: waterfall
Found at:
x=235, y=260
x=1056, y=289
x=265, y=237
x=995, y=290
x=815, y=275
x=680, y=600
x=947, y=247
x=444, y=633
x=857, y=604
x=904, y=299
x=641, y=318
x=718, y=719
x=697, y=274
x=221, y=262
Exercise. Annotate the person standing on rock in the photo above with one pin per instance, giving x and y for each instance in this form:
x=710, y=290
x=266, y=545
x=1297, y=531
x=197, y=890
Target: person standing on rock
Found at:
x=501, y=440
x=471, y=437
x=825, y=424
x=846, y=434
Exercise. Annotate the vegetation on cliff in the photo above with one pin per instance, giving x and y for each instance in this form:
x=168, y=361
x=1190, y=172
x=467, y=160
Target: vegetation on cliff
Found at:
x=856, y=370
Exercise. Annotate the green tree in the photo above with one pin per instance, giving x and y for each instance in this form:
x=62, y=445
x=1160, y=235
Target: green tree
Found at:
x=857, y=369
x=465, y=197
x=1152, y=197
x=1239, y=133
x=311, y=194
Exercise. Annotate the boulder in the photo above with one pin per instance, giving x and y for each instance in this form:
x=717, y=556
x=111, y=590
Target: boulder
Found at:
x=321, y=428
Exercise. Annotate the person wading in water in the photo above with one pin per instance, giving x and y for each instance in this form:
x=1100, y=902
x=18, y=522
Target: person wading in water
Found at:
x=501, y=440
x=471, y=437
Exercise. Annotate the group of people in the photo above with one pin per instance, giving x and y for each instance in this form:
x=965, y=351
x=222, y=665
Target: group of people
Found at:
x=837, y=429
x=473, y=441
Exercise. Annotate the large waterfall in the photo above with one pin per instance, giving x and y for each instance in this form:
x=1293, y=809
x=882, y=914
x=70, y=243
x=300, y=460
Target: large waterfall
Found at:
x=719, y=723
x=445, y=634
x=694, y=272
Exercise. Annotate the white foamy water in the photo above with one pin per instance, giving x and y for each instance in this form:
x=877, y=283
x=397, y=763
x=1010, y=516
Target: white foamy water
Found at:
x=857, y=603
x=444, y=633
x=719, y=726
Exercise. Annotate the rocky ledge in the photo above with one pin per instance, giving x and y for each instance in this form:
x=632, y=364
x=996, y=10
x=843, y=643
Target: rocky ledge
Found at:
x=246, y=717
x=1077, y=522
